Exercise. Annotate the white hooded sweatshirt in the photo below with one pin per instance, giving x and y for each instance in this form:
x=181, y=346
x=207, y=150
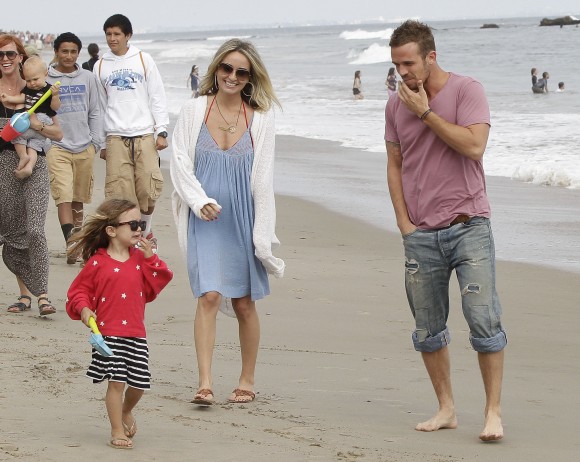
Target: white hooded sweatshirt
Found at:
x=131, y=94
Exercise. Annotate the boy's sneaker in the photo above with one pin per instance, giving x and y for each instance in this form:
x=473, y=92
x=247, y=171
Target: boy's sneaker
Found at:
x=153, y=241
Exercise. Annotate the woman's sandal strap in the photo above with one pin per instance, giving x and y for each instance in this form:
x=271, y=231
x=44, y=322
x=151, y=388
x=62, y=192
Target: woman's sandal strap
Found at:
x=19, y=307
x=45, y=308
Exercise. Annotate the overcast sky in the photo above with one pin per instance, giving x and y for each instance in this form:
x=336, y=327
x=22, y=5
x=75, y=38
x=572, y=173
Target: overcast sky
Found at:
x=87, y=17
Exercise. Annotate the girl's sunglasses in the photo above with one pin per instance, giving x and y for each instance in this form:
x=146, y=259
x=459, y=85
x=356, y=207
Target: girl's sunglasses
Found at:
x=11, y=55
x=134, y=225
x=241, y=73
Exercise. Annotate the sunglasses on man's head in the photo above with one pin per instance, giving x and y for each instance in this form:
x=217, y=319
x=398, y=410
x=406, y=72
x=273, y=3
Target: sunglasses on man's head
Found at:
x=11, y=55
x=134, y=225
x=241, y=73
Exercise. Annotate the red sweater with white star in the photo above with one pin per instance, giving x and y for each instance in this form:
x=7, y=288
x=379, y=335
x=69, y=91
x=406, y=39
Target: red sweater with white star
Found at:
x=117, y=291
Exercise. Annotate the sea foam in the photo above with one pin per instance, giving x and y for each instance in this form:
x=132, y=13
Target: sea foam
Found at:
x=372, y=55
x=360, y=34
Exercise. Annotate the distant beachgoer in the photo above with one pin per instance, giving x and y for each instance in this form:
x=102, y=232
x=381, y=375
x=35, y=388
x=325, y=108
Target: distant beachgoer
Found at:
x=31, y=50
x=391, y=82
x=534, y=76
x=224, y=206
x=357, y=86
x=116, y=282
x=541, y=85
x=560, y=87
x=93, y=50
x=193, y=81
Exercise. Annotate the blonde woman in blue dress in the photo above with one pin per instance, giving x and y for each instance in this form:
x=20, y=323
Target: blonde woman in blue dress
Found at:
x=222, y=169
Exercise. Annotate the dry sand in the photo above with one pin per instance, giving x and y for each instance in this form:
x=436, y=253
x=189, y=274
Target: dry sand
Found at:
x=337, y=377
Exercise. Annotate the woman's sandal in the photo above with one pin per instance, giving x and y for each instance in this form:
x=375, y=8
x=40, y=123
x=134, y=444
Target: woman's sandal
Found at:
x=19, y=306
x=201, y=397
x=45, y=308
x=242, y=396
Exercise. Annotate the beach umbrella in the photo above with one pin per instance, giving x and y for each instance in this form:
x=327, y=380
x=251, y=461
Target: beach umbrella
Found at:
x=20, y=122
x=97, y=340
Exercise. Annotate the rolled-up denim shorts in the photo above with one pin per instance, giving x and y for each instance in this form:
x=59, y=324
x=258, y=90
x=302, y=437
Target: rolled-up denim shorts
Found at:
x=430, y=258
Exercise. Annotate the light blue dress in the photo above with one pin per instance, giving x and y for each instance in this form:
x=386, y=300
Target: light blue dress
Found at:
x=220, y=253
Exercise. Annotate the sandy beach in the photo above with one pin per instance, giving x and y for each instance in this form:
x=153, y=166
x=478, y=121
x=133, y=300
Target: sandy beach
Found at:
x=337, y=376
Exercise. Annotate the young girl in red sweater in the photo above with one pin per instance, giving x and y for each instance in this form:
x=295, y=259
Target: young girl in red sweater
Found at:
x=120, y=275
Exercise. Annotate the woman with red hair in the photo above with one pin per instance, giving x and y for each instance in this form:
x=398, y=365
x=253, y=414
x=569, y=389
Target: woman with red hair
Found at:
x=23, y=202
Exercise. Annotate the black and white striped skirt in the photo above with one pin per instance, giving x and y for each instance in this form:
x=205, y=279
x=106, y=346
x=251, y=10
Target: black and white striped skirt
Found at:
x=129, y=363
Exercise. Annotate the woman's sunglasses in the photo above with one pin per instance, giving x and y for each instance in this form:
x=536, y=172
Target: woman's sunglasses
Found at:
x=241, y=73
x=11, y=55
x=134, y=225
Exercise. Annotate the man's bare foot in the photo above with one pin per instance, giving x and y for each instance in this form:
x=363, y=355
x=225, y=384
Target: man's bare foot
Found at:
x=23, y=173
x=443, y=419
x=493, y=429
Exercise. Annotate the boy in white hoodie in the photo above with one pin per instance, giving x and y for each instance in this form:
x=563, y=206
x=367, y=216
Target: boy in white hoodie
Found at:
x=134, y=105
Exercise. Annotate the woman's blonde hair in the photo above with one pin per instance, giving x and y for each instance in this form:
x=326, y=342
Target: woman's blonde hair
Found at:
x=258, y=92
x=93, y=234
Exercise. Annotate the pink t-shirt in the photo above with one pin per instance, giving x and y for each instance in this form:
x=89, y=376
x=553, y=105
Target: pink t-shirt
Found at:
x=438, y=183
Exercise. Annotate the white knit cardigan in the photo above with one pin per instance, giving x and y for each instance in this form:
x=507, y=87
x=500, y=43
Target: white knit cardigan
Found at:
x=188, y=193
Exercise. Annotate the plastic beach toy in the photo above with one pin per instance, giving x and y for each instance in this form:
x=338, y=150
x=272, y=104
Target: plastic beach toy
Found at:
x=20, y=122
x=97, y=340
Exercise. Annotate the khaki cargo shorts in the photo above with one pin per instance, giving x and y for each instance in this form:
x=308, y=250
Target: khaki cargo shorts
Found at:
x=71, y=174
x=133, y=171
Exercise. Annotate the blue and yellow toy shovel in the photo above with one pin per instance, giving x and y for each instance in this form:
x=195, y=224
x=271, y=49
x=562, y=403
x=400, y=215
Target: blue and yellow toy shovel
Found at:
x=20, y=122
x=97, y=340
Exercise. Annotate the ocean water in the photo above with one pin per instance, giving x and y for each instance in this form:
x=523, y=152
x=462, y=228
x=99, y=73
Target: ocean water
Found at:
x=534, y=138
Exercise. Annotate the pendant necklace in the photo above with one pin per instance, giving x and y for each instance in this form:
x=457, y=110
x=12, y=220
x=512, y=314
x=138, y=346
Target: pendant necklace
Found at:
x=4, y=107
x=230, y=128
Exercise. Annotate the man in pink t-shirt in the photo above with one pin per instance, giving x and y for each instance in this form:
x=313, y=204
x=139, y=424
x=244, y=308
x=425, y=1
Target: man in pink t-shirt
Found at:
x=436, y=132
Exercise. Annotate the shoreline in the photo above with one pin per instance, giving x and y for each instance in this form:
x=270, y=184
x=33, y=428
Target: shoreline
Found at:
x=531, y=223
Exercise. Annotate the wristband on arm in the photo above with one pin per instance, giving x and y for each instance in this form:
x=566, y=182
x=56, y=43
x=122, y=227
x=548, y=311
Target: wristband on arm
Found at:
x=425, y=114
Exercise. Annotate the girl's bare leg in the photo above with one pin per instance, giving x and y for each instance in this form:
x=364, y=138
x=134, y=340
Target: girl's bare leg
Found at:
x=132, y=397
x=114, y=402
